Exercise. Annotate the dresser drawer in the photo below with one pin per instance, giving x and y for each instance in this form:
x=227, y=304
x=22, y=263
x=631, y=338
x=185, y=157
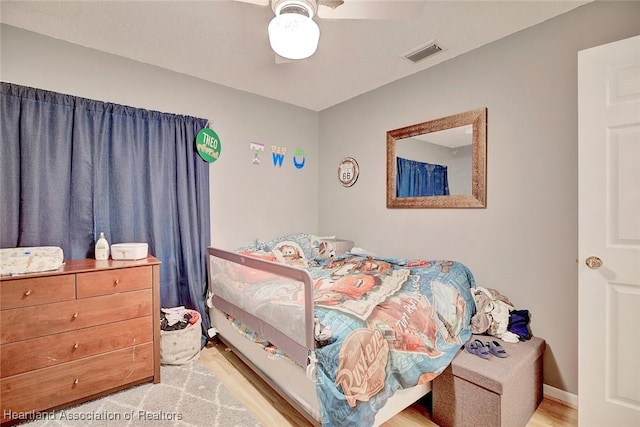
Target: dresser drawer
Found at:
x=50, y=387
x=65, y=347
x=111, y=281
x=31, y=322
x=37, y=290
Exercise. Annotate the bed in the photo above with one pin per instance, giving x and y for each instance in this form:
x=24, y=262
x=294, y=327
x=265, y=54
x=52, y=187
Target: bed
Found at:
x=351, y=339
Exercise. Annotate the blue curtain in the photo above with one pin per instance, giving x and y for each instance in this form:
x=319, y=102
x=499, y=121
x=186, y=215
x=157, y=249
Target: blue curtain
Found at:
x=73, y=167
x=416, y=179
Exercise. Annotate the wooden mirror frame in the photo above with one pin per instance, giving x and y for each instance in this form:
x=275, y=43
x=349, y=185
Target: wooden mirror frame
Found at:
x=477, y=198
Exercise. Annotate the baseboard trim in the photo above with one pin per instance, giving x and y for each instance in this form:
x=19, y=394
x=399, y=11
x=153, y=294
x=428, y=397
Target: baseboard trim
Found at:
x=561, y=396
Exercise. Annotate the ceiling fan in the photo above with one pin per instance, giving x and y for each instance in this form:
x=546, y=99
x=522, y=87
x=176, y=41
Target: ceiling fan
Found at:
x=293, y=34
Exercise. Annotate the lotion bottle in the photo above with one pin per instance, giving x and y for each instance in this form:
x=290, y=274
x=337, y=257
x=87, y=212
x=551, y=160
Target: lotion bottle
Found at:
x=102, y=248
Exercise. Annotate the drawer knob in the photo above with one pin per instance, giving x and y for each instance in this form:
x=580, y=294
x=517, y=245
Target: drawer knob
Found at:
x=75, y=347
x=76, y=381
x=75, y=315
x=26, y=294
x=116, y=282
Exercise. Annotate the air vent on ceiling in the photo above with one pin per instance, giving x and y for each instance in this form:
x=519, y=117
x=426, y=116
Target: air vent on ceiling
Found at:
x=423, y=52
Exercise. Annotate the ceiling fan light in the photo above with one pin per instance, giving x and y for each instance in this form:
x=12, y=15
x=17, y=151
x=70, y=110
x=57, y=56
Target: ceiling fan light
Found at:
x=293, y=36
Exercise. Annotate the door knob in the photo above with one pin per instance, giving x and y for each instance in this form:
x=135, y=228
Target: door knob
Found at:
x=593, y=262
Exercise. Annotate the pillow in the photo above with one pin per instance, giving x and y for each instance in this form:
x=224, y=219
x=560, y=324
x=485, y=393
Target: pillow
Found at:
x=332, y=247
x=326, y=249
x=289, y=252
x=303, y=240
x=321, y=248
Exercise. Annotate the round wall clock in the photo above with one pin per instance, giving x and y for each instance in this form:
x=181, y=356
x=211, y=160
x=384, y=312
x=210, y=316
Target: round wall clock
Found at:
x=348, y=171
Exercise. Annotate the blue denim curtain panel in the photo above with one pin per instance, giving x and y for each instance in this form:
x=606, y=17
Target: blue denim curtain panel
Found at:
x=72, y=167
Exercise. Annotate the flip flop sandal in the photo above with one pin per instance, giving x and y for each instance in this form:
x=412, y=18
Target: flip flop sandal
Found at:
x=478, y=348
x=496, y=349
x=483, y=350
x=471, y=347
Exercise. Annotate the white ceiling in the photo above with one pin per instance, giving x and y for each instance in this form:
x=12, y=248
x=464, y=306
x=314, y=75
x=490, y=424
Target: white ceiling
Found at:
x=225, y=41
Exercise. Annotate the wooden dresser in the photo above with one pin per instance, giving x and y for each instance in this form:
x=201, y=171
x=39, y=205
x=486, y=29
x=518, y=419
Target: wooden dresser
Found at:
x=85, y=330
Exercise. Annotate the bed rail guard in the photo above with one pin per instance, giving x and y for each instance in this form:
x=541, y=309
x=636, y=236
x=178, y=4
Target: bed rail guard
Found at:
x=243, y=287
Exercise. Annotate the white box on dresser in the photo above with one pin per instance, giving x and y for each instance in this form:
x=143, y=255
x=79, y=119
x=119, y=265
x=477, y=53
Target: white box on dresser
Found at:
x=129, y=251
x=85, y=330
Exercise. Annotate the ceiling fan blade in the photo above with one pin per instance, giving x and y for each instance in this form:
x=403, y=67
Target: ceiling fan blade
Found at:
x=371, y=9
x=258, y=2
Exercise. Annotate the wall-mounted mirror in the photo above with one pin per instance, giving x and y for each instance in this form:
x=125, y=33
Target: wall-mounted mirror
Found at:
x=439, y=164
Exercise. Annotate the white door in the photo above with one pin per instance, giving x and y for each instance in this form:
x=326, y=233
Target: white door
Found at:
x=609, y=232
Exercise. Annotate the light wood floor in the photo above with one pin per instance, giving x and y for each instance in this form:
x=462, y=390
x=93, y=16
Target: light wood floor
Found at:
x=272, y=410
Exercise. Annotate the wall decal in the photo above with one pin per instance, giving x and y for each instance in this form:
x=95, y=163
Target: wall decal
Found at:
x=278, y=154
x=298, y=153
x=208, y=145
x=257, y=148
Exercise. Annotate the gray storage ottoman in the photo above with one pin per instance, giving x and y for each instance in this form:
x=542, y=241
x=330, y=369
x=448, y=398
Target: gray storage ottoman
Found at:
x=500, y=392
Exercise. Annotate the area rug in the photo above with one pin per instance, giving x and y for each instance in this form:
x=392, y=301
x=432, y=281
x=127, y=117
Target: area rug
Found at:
x=188, y=395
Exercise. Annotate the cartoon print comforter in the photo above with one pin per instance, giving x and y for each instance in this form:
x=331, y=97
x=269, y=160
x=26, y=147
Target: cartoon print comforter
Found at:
x=393, y=324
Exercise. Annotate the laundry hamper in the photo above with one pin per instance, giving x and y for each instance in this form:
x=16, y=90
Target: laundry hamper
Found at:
x=183, y=345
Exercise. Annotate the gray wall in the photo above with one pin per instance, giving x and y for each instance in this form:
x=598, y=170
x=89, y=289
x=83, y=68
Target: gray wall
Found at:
x=525, y=242
x=247, y=201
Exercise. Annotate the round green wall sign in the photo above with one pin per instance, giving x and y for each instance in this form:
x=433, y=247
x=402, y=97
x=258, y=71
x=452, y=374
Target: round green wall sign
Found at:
x=208, y=145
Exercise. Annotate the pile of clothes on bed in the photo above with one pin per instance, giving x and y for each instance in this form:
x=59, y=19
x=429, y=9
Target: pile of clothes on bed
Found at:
x=497, y=316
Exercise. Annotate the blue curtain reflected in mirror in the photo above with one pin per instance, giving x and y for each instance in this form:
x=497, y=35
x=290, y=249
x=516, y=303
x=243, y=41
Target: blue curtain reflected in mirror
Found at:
x=417, y=179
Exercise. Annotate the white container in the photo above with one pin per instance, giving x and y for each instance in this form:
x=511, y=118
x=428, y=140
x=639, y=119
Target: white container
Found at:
x=102, y=248
x=129, y=251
